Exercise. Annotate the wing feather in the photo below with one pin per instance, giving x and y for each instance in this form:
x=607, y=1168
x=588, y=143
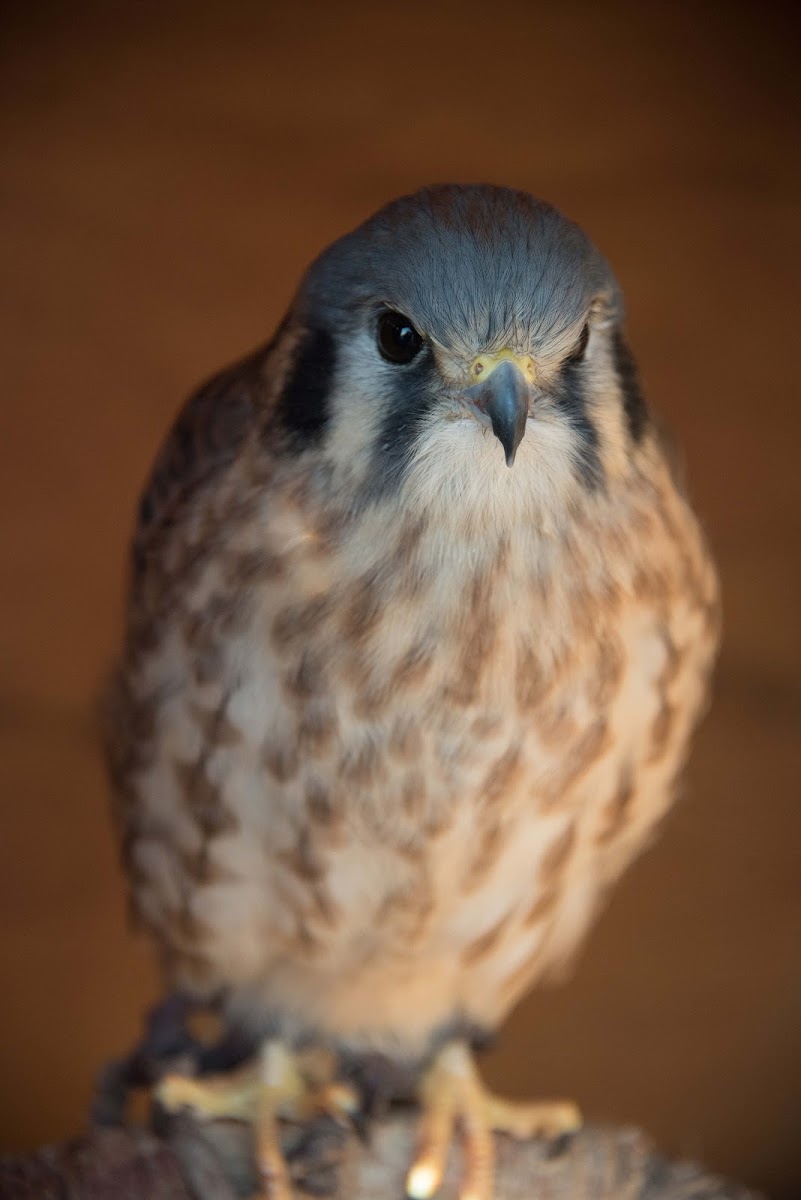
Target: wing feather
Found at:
x=206, y=437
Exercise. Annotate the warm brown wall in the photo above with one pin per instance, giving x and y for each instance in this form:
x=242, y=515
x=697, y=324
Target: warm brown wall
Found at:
x=167, y=172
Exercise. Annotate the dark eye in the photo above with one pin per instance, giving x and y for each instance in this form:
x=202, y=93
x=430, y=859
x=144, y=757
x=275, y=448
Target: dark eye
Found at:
x=398, y=340
x=577, y=353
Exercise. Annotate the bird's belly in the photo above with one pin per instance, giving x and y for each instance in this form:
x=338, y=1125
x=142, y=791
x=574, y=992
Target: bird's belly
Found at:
x=439, y=878
x=373, y=848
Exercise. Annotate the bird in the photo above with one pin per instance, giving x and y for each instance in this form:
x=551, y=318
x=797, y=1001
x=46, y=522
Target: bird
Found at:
x=420, y=624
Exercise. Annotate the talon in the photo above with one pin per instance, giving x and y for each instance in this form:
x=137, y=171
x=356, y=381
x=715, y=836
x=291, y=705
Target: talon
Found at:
x=452, y=1091
x=275, y=1087
x=480, y=1159
x=426, y=1174
x=272, y=1168
x=531, y=1120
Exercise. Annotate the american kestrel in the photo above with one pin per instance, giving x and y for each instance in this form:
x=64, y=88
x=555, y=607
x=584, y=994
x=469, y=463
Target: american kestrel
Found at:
x=420, y=624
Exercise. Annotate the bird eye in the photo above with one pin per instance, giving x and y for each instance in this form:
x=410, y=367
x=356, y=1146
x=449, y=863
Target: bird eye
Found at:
x=398, y=340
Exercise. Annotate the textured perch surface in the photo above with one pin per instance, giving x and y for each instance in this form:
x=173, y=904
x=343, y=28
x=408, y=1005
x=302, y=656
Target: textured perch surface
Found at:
x=211, y=1163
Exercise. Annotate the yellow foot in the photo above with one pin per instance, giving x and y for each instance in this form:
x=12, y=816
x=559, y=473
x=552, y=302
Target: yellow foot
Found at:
x=275, y=1087
x=452, y=1091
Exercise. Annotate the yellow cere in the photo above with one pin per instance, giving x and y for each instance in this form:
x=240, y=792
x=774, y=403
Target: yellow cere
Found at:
x=482, y=367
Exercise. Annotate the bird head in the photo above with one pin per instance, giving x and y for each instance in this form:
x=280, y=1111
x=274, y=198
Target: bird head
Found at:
x=461, y=334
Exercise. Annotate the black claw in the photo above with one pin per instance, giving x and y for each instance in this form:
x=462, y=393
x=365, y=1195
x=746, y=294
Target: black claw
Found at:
x=319, y=1142
x=315, y=1155
x=558, y=1145
x=362, y=1126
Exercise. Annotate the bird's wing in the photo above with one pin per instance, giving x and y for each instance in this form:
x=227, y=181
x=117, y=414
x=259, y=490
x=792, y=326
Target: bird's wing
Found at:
x=207, y=436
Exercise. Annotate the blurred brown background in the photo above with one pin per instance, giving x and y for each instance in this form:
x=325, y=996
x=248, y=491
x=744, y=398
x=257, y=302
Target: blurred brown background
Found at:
x=168, y=170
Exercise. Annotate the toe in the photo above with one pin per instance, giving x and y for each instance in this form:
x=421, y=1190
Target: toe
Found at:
x=270, y=1160
x=435, y=1135
x=479, y=1154
x=548, y=1119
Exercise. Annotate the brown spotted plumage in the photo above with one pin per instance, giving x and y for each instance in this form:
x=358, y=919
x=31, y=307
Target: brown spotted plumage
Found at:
x=391, y=717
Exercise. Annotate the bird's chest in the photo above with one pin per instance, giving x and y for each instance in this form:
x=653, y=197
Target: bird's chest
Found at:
x=457, y=756
x=413, y=775
x=426, y=734
x=412, y=693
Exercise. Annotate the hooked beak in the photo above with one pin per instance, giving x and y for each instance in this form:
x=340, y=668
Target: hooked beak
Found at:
x=503, y=393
